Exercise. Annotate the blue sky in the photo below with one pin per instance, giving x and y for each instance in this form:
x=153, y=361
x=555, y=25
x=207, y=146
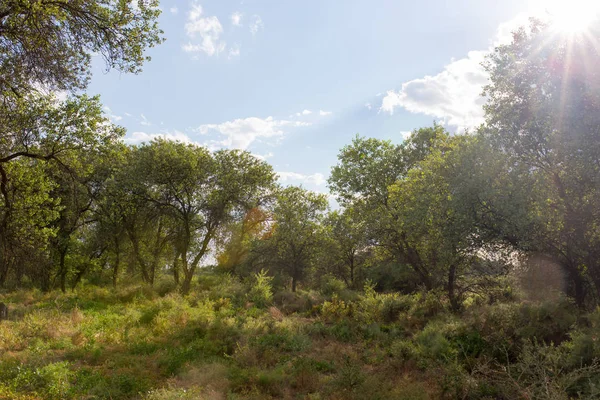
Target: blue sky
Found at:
x=294, y=81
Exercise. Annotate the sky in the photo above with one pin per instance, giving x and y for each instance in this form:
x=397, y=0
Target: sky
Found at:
x=294, y=81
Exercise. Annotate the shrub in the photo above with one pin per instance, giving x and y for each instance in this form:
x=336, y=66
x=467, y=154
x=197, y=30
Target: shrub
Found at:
x=426, y=305
x=297, y=302
x=56, y=379
x=403, y=350
x=336, y=309
x=165, y=286
x=392, y=306
x=433, y=345
x=541, y=372
x=261, y=291
x=305, y=374
x=350, y=375
x=331, y=285
x=549, y=321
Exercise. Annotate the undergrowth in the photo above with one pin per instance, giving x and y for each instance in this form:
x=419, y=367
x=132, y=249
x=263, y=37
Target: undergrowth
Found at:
x=239, y=340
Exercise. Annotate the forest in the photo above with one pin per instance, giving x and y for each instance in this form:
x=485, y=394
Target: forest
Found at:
x=451, y=265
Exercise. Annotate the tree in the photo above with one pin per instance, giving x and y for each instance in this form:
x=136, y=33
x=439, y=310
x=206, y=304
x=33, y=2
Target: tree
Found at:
x=26, y=213
x=49, y=149
x=63, y=143
x=366, y=170
x=50, y=43
x=543, y=113
x=200, y=191
x=296, y=235
x=236, y=239
x=348, y=249
x=440, y=204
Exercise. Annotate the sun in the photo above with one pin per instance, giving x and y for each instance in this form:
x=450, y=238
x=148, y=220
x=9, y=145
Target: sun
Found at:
x=572, y=16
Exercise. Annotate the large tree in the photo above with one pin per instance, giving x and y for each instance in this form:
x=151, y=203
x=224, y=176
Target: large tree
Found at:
x=443, y=207
x=292, y=245
x=362, y=178
x=348, y=246
x=62, y=144
x=543, y=113
x=201, y=191
x=49, y=43
x=47, y=46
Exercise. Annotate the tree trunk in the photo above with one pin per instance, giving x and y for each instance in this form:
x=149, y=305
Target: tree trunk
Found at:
x=454, y=303
x=352, y=273
x=117, y=264
x=294, y=281
x=188, y=273
x=4, y=269
x=62, y=270
x=407, y=254
x=176, y=269
x=138, y=256
x=579, y=292
x=187, y=282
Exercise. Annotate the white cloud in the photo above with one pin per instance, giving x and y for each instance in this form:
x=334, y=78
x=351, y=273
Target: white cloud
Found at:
x=405, y=134
x=324, y=113
x=140, y=137
x=315, y=179
x=453, y=95
x=209, y=29
x=302, y=113
x=174, y=10
x=241, y=133
x=234, y=51
x=256, y=25
x=236, y=18
x=368, y=106
x=263, y=157
x=112, y=117
x=144, y=121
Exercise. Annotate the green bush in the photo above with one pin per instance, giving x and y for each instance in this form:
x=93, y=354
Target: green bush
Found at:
x=331, y=285
x=433, y=345
x=350, y=375
x=56, y=379
x=261, y=291
x=403, y=350
x=164, y=286
x=392, y=306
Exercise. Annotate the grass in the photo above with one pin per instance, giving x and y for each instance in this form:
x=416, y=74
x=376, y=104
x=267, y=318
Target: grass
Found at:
x=131, y=343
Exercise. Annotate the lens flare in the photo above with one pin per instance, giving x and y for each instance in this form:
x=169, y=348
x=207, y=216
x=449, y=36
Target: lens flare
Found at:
x=574, y=16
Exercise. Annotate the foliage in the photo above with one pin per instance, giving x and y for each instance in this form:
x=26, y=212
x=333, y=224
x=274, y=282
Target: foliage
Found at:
x=261, y=292
x=52, y=43
x=440, y=231
x=290, y=247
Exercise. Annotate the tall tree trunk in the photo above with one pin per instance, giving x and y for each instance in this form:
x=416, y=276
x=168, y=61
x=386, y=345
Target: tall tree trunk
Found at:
x=117, y=263
x=352, y=273
x=62, y=270
x=406, y=254
x=138, y=255
x=578, y=291
x=454, y=301
x=176, y=269
x=187, y=281
x=188, y=273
